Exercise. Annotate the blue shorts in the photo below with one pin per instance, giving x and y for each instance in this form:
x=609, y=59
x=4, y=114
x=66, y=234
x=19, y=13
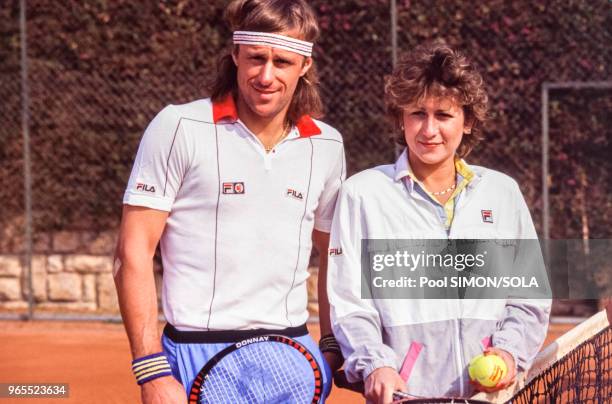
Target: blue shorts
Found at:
x=187, y=358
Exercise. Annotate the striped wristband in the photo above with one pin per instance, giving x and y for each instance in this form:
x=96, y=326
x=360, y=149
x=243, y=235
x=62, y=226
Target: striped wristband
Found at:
x=328, y=343
x=151, y=367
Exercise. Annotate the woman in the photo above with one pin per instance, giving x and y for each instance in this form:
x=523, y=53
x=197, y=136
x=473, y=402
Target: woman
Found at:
x=439, y=103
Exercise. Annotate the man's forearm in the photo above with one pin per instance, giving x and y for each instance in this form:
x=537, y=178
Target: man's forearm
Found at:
x=138, y=303
x=323, y=300
x=321, y=243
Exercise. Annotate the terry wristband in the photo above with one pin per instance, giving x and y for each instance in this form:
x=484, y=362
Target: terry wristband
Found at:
x=328, y=343
x=151, y=367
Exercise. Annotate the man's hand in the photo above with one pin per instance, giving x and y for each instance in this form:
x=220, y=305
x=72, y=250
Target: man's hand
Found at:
x=163, y=390
x=508, y=380
x=381, y=383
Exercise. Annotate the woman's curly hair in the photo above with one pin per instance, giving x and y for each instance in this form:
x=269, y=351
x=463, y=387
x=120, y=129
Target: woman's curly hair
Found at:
x=435, y=69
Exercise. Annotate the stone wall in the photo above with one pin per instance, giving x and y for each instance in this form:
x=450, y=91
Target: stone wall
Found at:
x=72, y=273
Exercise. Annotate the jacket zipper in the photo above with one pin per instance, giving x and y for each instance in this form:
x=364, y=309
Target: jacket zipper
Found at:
x=459, y=350
x=459, y=346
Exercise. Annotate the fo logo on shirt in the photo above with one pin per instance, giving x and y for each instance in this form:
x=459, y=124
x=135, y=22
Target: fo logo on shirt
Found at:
x=233, y=187
x=145, y=187
x=487, y=216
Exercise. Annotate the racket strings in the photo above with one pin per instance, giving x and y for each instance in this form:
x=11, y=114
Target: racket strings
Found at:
x=260, y=373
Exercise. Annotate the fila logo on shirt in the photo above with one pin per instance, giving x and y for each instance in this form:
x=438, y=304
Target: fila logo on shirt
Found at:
x=487, y=216
x=233, y=188
x=335, y=251
x=294, y=194
x=145, y=187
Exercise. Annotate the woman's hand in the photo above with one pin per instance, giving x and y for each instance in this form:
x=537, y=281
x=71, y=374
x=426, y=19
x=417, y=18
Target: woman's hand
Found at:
x=381, y=383
x=508, y=380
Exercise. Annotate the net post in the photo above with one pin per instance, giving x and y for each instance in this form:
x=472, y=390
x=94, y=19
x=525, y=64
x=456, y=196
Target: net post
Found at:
x=27, y=164
x=545, y=182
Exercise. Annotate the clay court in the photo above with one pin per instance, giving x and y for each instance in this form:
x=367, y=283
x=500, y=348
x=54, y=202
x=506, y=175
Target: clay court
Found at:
x=94, y=359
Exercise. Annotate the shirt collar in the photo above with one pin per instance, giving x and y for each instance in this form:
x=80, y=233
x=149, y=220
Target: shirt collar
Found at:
x=402, y=167
x=464, y=170
x=404, y=172
x=225, y=110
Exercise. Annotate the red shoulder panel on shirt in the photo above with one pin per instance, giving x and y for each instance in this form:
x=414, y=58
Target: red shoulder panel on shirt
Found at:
x=225, y=109
x=307, y=127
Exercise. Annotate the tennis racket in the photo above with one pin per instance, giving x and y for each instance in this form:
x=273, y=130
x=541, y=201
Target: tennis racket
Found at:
x=399, y=397
x=264, y=369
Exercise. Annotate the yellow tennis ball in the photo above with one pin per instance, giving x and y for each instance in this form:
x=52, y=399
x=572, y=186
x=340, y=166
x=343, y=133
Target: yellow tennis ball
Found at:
x=487, y=370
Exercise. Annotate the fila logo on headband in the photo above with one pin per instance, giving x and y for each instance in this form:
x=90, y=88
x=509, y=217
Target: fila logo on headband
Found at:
x=487, y=216
x=234, y=188
x=274, y=40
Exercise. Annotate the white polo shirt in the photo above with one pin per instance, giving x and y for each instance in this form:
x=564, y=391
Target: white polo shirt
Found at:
x=237, y=241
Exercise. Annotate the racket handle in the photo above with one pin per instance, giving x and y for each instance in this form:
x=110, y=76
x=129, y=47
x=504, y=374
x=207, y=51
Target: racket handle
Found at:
x=400, y=395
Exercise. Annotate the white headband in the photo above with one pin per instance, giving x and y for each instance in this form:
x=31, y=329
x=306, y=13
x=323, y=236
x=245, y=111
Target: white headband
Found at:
x=274, y=40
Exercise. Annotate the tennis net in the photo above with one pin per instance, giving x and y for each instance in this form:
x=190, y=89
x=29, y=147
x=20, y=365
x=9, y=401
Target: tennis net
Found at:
x=576, y=368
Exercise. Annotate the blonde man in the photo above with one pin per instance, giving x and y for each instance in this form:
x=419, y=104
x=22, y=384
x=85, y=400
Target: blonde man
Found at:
x=236, y=188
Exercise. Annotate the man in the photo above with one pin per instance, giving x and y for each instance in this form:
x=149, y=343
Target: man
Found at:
x=236, y=189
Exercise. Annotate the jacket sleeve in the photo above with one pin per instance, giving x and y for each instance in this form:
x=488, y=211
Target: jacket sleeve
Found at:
x=355, y=320
x=523, y=327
